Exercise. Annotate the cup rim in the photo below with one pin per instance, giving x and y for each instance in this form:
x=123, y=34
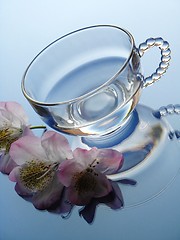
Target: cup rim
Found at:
x=41, y=103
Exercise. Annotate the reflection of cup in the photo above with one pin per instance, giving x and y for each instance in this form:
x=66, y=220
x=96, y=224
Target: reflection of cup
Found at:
x=89, y=81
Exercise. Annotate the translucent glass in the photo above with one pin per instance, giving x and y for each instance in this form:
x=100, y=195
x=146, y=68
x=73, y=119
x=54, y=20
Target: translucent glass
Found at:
x=86, y=82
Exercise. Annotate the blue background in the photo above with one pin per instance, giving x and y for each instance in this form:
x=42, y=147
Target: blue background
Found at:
x=26, y=27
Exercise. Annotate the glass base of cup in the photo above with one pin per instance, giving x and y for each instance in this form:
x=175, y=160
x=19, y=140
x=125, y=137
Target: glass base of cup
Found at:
x=144, y=141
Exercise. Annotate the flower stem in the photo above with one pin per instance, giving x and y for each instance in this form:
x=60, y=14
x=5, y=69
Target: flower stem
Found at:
x=38, y=127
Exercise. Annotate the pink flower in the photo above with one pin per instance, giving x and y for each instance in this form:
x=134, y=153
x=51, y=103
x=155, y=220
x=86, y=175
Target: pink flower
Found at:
x=36, y=174
x=84, y=175
x=13, y=125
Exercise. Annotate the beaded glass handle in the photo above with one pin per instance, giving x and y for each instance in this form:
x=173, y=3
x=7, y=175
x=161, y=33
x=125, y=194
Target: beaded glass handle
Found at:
x=165, y=58
x=169, y=110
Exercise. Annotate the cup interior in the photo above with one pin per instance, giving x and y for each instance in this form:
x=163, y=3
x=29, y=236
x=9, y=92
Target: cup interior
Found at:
x=83, y=77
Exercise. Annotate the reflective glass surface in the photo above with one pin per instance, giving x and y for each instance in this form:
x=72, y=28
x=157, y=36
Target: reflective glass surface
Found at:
x=25, y=29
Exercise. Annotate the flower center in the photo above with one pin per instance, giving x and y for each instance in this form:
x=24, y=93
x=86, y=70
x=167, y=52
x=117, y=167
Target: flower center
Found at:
x=85, y=181
x=8, y=136
x=36, y=175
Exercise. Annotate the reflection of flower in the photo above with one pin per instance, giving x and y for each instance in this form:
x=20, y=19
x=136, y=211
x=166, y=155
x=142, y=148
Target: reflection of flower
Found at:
x=13, y=125
x=113, y=199
x=84, y=175
x=36, y=173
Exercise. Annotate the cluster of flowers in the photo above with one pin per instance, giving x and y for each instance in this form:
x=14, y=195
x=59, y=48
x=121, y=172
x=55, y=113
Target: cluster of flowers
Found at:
x=52, y=176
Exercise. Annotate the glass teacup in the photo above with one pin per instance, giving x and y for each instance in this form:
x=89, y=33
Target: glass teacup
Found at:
x=89, y=81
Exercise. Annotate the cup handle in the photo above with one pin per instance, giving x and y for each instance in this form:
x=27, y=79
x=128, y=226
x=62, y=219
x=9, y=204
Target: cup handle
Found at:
x=165, y=58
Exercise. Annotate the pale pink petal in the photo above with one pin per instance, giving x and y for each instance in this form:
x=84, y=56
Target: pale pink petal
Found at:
x=6, y=118
x=107, y=161
x=66, y=171
x=110, y=161
x=48, y=197
x=14, y=174
x=6, y=163
x=27, y=148
x=56, y=146
x=2, y=105
x=84, y=157
x=17, y=110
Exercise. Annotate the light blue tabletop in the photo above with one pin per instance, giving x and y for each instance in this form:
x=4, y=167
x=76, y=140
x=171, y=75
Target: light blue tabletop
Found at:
x=26, y=27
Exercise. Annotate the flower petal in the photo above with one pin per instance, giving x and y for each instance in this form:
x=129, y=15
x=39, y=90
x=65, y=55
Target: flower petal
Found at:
x=21, y=190
x=27, y=132
x=110, y=161
x=24, y=193
x=84, y=157
x=56, y=146
x=46, y=198
x=100, y=186
x=117, y=201
x=6, y=163
x=17, y=110
x=103, y=186
x=66, y=171
x=127, y=181
x=14, y=174
x=88, y=212
x=80, y=200
x=27, y=148
x=62, y=206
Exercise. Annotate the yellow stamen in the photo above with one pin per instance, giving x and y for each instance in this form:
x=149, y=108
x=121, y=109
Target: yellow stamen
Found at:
x=85, y=181
x=8, y=136
x=36, y=175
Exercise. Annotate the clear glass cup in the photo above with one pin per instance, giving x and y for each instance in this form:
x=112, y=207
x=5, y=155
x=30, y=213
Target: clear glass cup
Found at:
x=89, y=81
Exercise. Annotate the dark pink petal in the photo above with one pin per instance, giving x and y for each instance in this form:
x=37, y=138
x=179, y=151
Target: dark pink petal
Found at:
x=46, y=198
x=79, y=199
x=127, y=181
x=88, y=212
x=103, y=186
x=56, y=146
x=117, y=201
x=6, y=163
x=113, y=199
x=23, y=192
x=67, y=170
x=110, y=161
x=14, y=176
x=63, y=206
